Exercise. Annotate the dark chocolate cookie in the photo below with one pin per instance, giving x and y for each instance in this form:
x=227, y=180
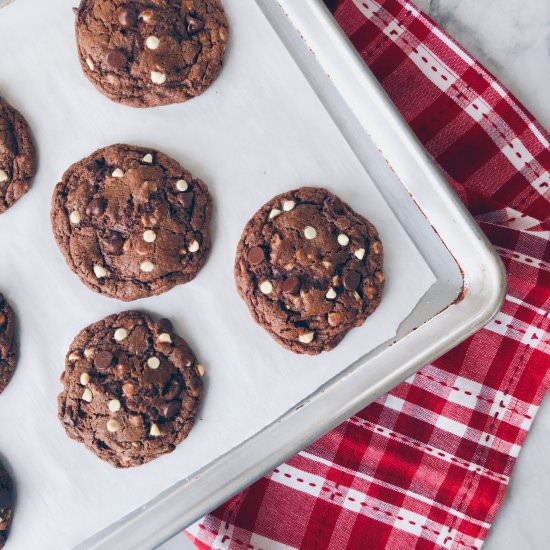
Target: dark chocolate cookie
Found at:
x=8, y=353
x=309, y=269
x=145, y=53
x=131, y=389
x=131, y=222
x=6, y=504
x=17, y=156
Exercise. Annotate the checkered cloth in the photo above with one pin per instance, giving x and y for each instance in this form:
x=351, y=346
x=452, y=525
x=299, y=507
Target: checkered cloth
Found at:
x=427, y=465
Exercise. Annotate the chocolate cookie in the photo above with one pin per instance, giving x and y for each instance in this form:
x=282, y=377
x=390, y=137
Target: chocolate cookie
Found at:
x=6, y=504
x=145, y=53
x=17, y=156
x=8, y=354
x=131, y=222
x=131, y=389
x=310, y=269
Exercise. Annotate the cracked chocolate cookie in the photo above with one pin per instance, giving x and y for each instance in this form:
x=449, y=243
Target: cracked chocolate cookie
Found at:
x=310, y=269
x=147, y=53
x=131, y=389
x=8, y=353
x=17, y=156
x=131, y=222
x=6, y=504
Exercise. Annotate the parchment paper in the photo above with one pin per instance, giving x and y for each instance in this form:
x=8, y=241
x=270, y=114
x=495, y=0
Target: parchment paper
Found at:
x=259, y=131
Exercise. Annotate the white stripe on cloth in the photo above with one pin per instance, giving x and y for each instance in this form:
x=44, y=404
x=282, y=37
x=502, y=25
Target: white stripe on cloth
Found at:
x=436, y=452
x=451, y=426
x=523, y=258
x=506, y=325
x=474, y=396
x=396, y=488
x=359, y=502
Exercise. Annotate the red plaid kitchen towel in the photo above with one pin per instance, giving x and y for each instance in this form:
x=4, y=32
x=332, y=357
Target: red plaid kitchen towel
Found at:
x=427, y=465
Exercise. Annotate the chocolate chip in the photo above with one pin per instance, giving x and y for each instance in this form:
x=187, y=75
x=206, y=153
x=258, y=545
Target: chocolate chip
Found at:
x=112, y=244
x=256, y=255
x=171, y=409
x=194, y=24
x=186, y=199
x=116, y=59
x=164, y=325
x=291, y=285
x=96, y=207
x=351, y=280
x=103, y=360
x=6, y=498
x=127, y=17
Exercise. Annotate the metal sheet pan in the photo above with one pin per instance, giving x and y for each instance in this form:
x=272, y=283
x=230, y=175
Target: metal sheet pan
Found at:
x=294, y=105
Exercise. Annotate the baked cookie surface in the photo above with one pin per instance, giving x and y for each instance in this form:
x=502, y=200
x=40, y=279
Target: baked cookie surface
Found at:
x=17, y=156
x=131, y=222
x=8, y=351
x=6, y=504
x=131, y=389
x=310, y=269
x=145, y=53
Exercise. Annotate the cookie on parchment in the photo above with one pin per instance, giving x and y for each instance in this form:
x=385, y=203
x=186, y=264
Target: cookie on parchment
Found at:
x=8, y=352
x=131, y=222
x=6, y=504
x=17, y=156
x=145, y=53
x=310, y=269
x=131, y=389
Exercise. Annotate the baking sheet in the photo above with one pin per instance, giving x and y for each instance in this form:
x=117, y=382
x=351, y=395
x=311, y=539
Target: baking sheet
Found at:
x=259, y=131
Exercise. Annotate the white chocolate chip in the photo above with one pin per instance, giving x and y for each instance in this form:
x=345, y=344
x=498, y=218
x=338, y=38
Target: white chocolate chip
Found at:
x=147, y=159
x=147, y=266
x=154, y=431
x=306, y=338
x=288, y=206
x=3, y=176
x=120, y=334
x=90, y=64
x=88, y=353
x=194, y=247
x=266, y=287
x=114, y=405
x=157, y=77
x=343, y=239
x=181, y=185
x=310, y=232
x=117, y=173
x=360, y=253
x=201, y=370
x=331, y=294
x=149, y=236
x=113, y=425
x=74, y=217
x=165, y=338
x=152, y=42
x=87, y=395
x=356, y=295
x=153, y=363
x=274, y=213
x=99, y=271
x=74, y=356
x=84, y=379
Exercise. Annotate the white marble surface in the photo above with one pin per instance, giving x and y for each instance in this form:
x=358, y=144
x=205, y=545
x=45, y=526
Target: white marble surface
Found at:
x=512, y=39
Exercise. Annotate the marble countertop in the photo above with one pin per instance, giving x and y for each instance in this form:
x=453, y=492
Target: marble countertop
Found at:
x=512, y=39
